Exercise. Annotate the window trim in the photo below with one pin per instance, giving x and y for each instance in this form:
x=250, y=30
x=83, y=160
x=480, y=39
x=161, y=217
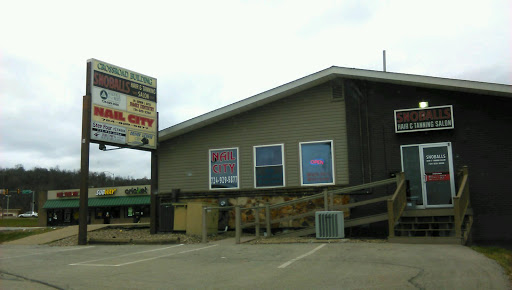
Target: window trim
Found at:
x=332, y=164
x=237, y=168
x=282, y=164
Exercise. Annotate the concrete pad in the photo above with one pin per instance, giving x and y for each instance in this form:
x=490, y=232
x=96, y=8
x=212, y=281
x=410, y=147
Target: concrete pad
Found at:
x=349, y=265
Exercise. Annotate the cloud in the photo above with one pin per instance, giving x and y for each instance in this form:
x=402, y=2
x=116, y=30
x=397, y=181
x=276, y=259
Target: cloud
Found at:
x=207, y=55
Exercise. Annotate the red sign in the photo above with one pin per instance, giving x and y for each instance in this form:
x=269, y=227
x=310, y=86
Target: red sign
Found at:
x=120, y=116
x=433, y=118
x=67, y=194
x=438, y=177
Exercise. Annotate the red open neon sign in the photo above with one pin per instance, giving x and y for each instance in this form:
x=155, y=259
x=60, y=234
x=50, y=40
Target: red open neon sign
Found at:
x=317, y=162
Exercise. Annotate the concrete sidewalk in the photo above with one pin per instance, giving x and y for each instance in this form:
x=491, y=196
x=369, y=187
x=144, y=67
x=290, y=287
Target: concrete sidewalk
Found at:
x=57, y=234
x=69, y=231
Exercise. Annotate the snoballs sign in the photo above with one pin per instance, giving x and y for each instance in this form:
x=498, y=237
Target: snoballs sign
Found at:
x=123, y=105
x=433, y=118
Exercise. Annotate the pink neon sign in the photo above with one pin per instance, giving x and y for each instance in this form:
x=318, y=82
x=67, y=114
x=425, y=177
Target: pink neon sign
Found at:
x=316, y=162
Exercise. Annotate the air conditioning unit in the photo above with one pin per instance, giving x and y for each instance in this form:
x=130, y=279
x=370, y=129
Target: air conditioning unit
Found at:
x=329, y=225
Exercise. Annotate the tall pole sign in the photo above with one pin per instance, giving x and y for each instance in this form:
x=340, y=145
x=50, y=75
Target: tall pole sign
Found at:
x=123, y=111
x=119, y=109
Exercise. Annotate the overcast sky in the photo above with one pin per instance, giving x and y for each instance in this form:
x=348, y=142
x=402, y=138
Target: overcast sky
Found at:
x=208, y=54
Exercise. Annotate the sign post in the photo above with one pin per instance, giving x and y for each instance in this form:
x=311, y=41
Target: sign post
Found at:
x=119, y=109
x=84, y=171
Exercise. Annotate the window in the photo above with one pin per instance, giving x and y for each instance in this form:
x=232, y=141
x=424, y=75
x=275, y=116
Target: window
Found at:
x=269, y=166
x=113, y=212
x=131, y=211
x=316, y=163
x=224, y=168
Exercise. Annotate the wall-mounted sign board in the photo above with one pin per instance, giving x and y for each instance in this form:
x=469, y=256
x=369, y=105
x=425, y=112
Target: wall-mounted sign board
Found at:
x=424, y=119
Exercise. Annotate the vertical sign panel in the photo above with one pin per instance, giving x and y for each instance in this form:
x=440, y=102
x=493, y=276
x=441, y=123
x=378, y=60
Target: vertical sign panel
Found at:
x=224, y=168
x=123, y=106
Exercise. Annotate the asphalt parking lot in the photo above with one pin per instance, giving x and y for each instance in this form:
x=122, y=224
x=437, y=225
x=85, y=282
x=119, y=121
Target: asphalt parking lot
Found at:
x=224, y=265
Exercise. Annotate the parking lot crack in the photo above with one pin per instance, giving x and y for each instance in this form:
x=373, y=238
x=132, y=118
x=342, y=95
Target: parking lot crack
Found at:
x=411, y=280
x=30, y=279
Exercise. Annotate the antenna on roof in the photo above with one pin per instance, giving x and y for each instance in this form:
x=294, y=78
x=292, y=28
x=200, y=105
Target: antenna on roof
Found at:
x=384, y=60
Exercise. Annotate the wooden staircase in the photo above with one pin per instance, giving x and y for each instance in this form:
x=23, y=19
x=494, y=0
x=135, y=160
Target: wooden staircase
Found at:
x=430, y=226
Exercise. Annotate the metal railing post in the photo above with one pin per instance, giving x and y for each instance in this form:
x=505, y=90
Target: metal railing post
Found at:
x=205, y=232
x=267, y=219
x=238, y=224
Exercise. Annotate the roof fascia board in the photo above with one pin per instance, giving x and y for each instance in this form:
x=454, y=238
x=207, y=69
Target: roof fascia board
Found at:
x=426, y=81
x=326, y=75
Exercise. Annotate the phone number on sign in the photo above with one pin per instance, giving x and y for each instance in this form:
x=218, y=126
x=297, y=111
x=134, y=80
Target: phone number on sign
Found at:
x=224, y=179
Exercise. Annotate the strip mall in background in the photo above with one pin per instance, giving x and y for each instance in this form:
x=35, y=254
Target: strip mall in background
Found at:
x=121, y=204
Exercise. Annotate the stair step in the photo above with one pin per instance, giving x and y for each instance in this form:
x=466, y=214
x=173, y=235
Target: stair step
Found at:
x=426, y=223
x=425, y=240
x=427, y=219
x=424, y=230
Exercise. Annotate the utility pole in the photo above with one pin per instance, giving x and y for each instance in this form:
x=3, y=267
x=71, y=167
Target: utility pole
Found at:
x=33, y=200
x=384, y=60
x=113, y=177
x=8, y=196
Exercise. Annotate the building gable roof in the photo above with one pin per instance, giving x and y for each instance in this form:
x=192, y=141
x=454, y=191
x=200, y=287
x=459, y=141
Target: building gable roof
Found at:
x=324, y=76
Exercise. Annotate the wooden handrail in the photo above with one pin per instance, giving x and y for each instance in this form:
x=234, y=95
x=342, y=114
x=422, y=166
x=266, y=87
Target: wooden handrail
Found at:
x=461, y=202
x=327, y=195
x=336, y=191
x=397, y=203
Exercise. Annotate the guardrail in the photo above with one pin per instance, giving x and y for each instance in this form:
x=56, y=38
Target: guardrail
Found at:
x=327, y=195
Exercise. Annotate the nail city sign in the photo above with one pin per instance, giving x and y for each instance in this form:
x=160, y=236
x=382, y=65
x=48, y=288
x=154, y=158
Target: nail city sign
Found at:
x=123, y=105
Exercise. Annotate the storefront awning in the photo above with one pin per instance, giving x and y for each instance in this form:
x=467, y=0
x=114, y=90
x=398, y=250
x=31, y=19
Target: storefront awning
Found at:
x=99, y=202
x=62, y=203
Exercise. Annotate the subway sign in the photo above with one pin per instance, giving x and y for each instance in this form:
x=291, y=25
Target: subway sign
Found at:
x=424, y=119
x=102, y=192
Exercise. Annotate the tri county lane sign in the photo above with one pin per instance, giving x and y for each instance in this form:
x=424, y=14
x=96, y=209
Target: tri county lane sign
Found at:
x=123, y=105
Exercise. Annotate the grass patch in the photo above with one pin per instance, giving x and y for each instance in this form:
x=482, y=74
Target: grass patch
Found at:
x=18, y=222
x=500, y=255
x=6, y=236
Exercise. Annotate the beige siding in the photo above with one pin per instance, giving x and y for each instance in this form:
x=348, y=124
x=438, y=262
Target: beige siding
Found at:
x=310, y=115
